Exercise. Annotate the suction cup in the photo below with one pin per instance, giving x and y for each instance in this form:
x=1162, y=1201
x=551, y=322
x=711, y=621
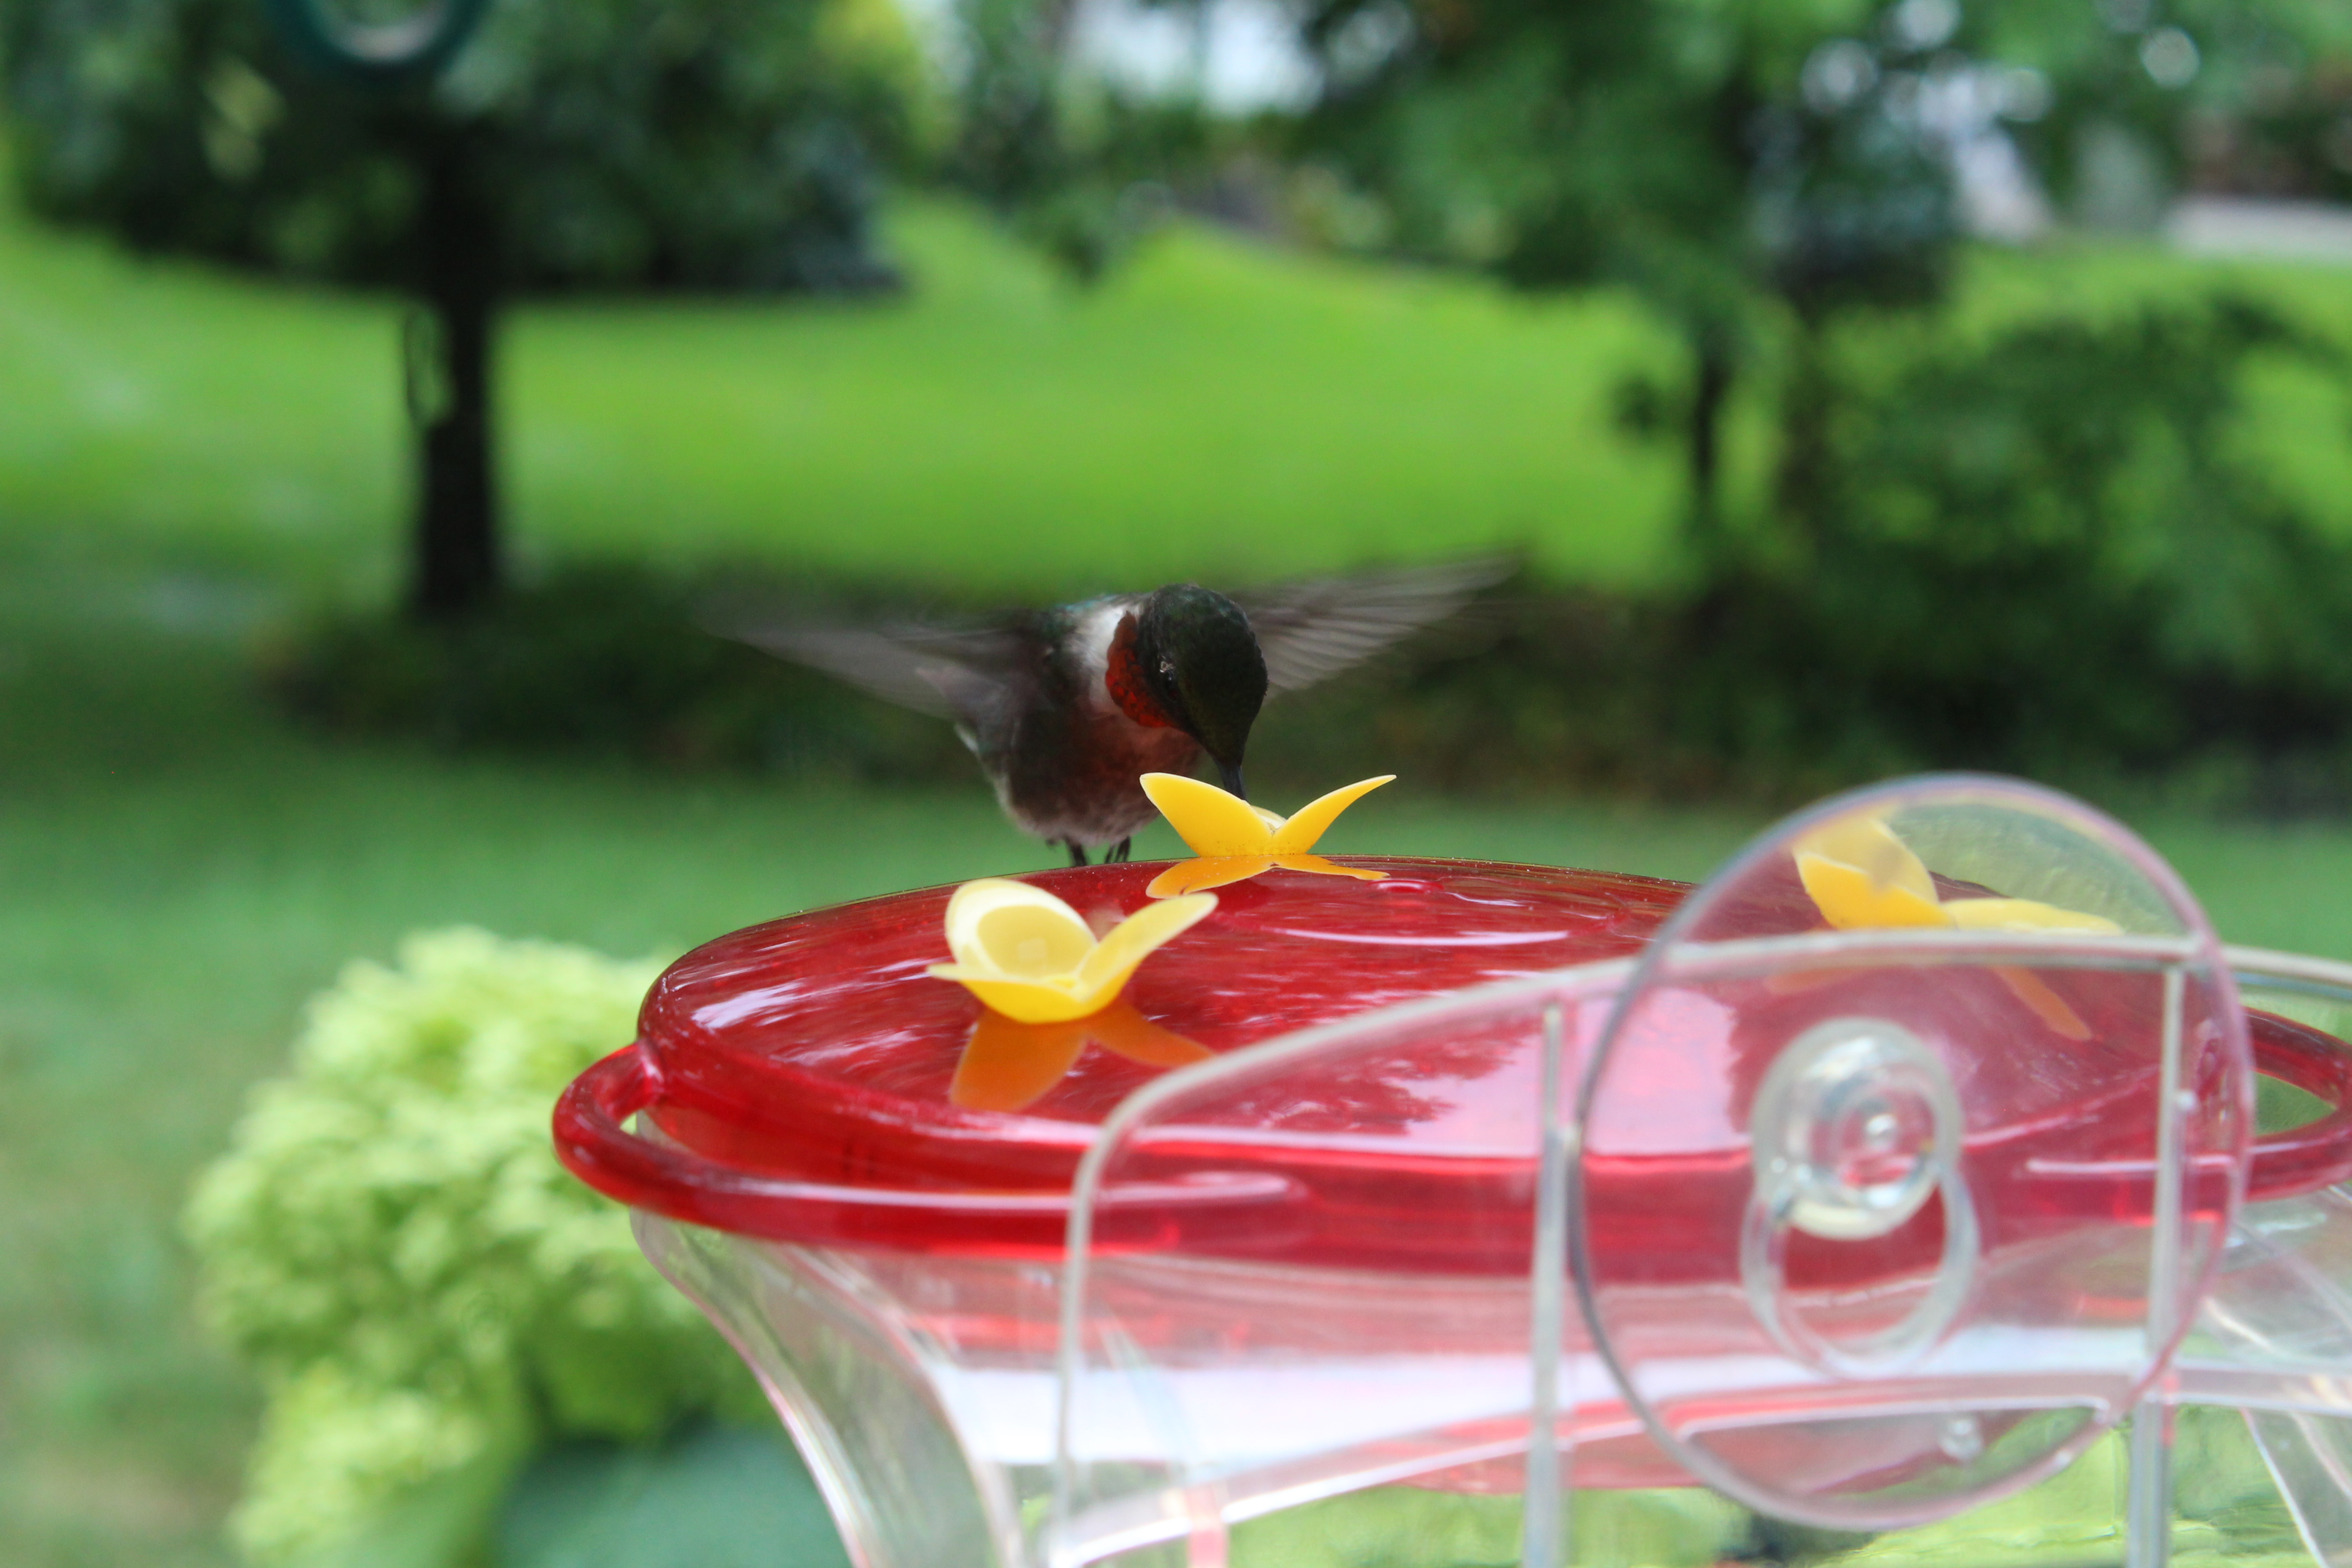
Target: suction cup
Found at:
x=1907, y=1150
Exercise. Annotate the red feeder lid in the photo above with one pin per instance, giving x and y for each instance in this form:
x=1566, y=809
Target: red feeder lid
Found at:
x=803, y=1070
x=804, y=1074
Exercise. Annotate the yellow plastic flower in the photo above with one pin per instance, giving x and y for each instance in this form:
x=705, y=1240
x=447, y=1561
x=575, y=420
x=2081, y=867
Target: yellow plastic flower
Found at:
x=1028, y=955
x=1009, y=1066
x=1862, y=877
x=1236, y=840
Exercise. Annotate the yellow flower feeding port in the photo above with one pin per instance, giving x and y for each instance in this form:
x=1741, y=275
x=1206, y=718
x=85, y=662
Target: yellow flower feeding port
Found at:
x=1862, y=877
x=1030, y=956
x=1236, y=840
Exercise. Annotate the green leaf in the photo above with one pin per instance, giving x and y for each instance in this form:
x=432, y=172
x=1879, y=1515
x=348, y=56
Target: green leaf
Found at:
x=716, y=1498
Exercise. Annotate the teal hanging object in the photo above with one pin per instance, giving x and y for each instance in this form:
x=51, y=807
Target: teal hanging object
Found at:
x=376, y=54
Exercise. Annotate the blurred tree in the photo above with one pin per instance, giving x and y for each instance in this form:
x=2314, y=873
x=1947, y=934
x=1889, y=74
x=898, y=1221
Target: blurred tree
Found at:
x=1077, y=165
x=703, y=144
x=2253, y=96
x=1724, y=156
x=1711, y=155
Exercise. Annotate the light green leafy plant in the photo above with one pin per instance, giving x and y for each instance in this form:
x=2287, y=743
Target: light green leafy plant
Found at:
x=426, y=1294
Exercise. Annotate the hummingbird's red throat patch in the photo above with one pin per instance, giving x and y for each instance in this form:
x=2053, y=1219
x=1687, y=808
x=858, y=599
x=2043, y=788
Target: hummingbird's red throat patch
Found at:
x=1124, y=680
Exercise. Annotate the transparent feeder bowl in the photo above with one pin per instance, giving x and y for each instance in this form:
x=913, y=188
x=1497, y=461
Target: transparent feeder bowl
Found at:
x=1877, y=1179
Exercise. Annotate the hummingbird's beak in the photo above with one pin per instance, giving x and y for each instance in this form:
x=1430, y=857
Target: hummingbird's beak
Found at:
x=1232, y=776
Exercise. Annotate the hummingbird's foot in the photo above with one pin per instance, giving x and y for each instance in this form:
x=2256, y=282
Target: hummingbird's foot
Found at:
x=1120, y=853
x=1077, y=851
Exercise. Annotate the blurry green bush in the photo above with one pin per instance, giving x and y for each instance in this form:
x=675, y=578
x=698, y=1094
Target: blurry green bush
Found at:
x=617, y=143
x=603, y=660
x=428, y=1296
x=2042, y=552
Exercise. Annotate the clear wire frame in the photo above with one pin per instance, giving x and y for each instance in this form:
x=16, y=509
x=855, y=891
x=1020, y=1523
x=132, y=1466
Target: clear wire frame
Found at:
x=1885, y=1181
x=1374, y=1324
x=2272, y=1335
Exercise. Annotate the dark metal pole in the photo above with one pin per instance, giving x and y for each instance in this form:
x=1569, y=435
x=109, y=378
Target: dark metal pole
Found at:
x=448, y=349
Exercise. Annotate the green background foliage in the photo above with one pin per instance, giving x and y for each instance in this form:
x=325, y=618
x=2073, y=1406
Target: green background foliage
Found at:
x=2042, y=552
x=704, y=143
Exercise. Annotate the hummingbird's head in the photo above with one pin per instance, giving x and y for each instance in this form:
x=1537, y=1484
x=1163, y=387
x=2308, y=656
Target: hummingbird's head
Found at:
x=1196, y=653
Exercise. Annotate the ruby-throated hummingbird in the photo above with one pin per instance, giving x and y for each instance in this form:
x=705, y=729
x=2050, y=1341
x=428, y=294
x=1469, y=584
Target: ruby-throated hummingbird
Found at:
x=1067, y=707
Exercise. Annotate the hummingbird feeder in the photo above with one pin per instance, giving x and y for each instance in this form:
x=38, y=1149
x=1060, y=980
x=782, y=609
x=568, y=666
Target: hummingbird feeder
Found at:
x=1877, y=1178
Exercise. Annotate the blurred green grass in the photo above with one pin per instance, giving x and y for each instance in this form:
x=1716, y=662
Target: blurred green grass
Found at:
x=186, y=458
x=1219, y=410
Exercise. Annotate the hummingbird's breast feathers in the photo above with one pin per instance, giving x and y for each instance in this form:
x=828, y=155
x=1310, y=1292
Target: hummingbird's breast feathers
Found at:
x=1095, y=628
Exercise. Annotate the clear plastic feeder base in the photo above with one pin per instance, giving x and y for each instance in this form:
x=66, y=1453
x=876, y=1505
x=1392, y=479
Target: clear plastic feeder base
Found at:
x=924, y=1401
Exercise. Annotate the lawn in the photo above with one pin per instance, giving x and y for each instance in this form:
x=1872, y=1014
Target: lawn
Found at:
x=188, y=457
x=1219, y=409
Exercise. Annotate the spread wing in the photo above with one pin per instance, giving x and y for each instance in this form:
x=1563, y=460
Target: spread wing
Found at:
x=1314, y=629
x=976, y=677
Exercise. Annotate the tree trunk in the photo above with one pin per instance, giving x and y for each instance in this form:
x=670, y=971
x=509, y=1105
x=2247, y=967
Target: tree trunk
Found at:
x=1710, y=390
x=455, y=567
x=1805, y=458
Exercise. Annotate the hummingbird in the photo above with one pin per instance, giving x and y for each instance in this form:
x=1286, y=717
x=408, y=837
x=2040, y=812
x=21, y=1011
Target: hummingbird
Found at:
x=1067, y=707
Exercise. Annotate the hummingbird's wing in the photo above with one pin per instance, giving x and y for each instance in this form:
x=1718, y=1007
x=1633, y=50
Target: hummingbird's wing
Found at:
x=1314, y=629
x=977, y=678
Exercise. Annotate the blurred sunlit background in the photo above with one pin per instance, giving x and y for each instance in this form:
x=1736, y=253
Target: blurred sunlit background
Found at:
x=1860, y=387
